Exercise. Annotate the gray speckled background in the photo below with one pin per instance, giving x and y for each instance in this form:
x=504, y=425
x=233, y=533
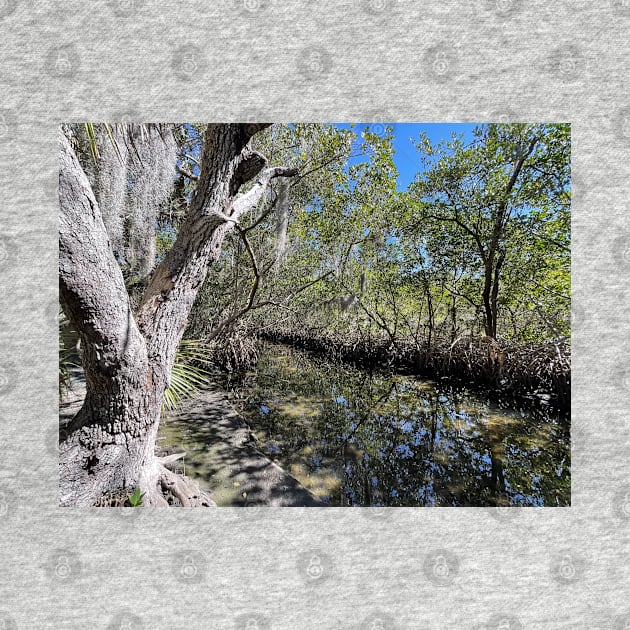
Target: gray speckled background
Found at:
x=319, y=568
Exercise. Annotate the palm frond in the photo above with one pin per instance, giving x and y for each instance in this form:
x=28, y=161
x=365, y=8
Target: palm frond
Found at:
x=90, y=133
x=188, y=375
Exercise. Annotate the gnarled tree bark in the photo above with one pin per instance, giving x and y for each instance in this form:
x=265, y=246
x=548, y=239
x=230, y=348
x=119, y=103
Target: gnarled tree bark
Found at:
x=108, y=448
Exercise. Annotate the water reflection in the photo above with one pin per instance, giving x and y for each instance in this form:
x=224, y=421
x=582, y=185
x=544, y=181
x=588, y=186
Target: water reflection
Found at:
x=358, y=439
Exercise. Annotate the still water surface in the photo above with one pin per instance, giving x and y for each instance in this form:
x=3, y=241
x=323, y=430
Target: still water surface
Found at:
x=356, y=438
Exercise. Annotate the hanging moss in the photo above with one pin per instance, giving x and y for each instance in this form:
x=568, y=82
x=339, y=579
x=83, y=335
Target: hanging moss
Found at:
x=110, y=185
x=133, y=180
x=282, y=221
x=151, y=177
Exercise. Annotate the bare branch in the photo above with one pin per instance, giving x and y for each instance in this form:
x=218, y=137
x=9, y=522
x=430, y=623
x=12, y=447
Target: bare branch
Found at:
x=455, y=292
x=263, y=216
x=191, y=158
x=185, y=173
x=245, y=201
x=252, y=292
x=311, y=283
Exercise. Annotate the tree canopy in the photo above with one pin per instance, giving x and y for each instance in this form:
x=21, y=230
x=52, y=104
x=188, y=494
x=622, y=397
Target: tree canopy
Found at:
x=220, y=232
x=478, y=244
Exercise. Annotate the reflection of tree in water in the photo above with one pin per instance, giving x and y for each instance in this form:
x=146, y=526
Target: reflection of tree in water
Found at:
x=392, y=440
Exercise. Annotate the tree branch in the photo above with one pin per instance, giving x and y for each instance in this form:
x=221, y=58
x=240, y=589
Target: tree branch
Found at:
x=185, y=173
x=334, y=158
x=263, y=216
x=252, y=291
x=244, y=202
x=456, y=293
x=227, y=162
x=91, y=285
x=464, y=227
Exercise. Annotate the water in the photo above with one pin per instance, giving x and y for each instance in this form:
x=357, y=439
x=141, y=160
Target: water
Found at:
x=355, y=438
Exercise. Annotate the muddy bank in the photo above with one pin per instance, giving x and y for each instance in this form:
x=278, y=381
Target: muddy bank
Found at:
x=529, y=374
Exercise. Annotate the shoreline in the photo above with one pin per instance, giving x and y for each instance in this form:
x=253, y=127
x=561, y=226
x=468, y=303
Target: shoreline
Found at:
x=528, y=378
x=237, y=474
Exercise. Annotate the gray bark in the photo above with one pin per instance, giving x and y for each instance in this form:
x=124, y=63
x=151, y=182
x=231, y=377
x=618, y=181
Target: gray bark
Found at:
x=108, y=448
x=282, y=223
x=110, y=432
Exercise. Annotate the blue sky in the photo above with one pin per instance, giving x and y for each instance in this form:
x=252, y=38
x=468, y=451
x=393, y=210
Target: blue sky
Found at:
x=406, y=157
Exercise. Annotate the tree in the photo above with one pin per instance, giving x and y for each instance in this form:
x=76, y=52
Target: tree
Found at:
x=108, y=448
x=510, y=181
x=340, y=221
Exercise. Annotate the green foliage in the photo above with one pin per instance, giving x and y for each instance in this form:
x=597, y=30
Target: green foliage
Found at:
x=366, y=259
x=136, y=498
x=480, y=217
x=189, y=374
x=410, y=264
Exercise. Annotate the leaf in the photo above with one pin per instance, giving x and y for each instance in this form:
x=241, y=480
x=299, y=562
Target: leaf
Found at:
x=136, y=497
x=187, y=379
x=91, y=136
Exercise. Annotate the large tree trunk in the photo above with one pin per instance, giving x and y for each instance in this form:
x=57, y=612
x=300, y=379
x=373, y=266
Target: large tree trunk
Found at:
x=108, y=448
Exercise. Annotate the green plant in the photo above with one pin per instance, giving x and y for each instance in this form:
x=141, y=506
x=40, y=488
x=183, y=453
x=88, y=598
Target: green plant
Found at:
x=188, y=375
x=136, y=498
x=90, y=133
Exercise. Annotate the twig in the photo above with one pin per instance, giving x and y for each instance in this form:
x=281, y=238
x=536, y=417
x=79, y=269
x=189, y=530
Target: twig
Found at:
x=185, y=173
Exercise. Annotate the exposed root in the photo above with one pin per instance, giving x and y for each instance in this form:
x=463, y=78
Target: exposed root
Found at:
x=532, y=373
x=184, y=489
x=162, y=487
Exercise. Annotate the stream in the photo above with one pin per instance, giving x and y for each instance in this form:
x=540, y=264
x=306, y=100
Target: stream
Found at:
x=360, y=438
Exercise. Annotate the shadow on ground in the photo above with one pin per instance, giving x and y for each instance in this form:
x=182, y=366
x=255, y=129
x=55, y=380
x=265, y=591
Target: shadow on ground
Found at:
x=221, y=454
x=220, y=451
